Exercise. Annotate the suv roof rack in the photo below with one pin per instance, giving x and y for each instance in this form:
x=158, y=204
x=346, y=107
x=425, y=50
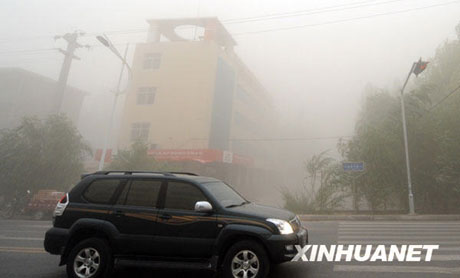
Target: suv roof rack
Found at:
x=183, y=173
x=169, y=174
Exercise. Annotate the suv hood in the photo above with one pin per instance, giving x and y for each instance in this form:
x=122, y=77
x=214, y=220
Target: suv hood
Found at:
x=254, y=210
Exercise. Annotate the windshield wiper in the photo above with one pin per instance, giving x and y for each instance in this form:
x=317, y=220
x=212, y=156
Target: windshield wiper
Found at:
x=237, y=205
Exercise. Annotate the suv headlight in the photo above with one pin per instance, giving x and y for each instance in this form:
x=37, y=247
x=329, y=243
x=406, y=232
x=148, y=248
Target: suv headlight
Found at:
x=283, y=226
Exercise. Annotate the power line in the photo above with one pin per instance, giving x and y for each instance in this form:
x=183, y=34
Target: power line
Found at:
x=439, y=102
x=288, y=138
x=283, y=139
x=51, y=50
x=273, y=29
x=305, y=12
x=332, y=8
x=345, y=20
x=443, y=99
x=335, y=8
x=29, y=51
x=26, y=38
x=272, y=16
x=305, y=25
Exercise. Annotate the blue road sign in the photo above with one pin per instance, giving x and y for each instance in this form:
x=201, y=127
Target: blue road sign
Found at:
x=353, y=166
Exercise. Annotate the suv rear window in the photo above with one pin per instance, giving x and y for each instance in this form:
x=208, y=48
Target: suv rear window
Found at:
x=182, y=196
x=101, y=191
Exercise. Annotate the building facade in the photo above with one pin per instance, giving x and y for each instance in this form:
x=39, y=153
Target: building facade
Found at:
x=195, y=102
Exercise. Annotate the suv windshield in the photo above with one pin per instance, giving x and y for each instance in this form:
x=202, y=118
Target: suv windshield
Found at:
x=224, y=194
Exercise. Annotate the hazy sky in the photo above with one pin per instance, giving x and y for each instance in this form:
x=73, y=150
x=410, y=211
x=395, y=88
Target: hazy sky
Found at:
x=316, y=73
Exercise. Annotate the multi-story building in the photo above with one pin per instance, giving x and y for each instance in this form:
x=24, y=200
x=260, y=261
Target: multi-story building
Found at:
x=196, y=103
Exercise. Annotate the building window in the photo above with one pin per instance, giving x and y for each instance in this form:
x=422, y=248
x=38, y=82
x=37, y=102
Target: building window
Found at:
x=152, y=60
x=140, y=131
x=146, y=95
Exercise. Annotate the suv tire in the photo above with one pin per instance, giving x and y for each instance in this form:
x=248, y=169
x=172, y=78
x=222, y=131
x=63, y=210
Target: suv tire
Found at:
x=246, y=257
x=93, y=256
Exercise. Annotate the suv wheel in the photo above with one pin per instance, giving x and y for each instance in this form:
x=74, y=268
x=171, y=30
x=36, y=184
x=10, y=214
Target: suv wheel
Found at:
x=246, y=259
x=90, y=258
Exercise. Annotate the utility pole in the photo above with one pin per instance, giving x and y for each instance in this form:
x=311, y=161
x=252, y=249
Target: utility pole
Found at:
x=417, y=68
x=406, y=147
x=124, y=64
x=112, y=114
x=72, y=45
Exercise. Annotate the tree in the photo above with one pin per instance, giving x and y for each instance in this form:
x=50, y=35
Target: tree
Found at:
x=433, y=133
x=41, y=154
x=327, y=197
x=377, y=142
x=314, y=167
x=137, y=158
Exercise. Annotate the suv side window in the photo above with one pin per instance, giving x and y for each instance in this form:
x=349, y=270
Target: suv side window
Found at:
x=101, y=191
x=141, y=193
x=182, y=196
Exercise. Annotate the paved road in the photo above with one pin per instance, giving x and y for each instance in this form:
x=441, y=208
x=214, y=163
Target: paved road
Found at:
x=22, y=254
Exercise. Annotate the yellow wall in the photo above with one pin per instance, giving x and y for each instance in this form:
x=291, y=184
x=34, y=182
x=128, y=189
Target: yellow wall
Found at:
x=180, y=116
x=181, y=111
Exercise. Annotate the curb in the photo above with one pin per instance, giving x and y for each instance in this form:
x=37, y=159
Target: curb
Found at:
x=430, y=217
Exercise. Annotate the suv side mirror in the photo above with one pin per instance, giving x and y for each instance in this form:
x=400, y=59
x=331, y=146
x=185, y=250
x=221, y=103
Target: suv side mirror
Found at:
x=203, y=206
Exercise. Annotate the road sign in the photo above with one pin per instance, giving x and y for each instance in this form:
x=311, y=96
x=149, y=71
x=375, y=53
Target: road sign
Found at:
x=227, y=157
x=353, y=166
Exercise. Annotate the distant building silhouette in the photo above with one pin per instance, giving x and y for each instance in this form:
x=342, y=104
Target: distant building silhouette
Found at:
x=24, y=93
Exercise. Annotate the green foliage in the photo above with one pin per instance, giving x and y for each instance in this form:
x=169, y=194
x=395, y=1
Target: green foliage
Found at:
x=324, y=172
x=433, y=134
x=137, y=158
x=298, y=202
x=41, y=154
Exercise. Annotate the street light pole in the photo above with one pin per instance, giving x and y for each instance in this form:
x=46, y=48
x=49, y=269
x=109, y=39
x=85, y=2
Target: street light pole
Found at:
x=108, y=44
x=406, y=146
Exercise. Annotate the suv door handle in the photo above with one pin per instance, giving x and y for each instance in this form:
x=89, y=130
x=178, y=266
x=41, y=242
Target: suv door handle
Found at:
x=165, y=216
x=118, y=213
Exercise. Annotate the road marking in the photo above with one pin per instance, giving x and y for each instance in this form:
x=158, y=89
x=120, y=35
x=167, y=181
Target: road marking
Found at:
x=38, y=226
x=442, y=249
x=399, y=223
x=397, y=268
x=415, y=237
x=12, y=224
x=436, y=258
x=449, y=248
x=28, y=250
x=456, y=224
x=412, y=231
x=2, y=237
x=18, y=231
x=392, y=242
x=448, y=229
x=445, y=258
x=399, y=228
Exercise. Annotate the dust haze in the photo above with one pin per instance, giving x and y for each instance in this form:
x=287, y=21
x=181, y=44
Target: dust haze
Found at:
x=314, y=59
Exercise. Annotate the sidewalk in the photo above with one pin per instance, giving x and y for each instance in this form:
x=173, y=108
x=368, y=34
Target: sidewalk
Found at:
x=399, y=217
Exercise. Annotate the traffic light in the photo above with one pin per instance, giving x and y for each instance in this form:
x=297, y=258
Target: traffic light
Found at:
x=420, y=66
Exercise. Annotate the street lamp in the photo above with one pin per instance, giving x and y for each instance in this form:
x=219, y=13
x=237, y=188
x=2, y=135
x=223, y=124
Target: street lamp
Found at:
x=107, y=43
x=417, y=68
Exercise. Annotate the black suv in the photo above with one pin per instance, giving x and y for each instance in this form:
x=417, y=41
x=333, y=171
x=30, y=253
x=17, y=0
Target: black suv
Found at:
x=178, y=220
